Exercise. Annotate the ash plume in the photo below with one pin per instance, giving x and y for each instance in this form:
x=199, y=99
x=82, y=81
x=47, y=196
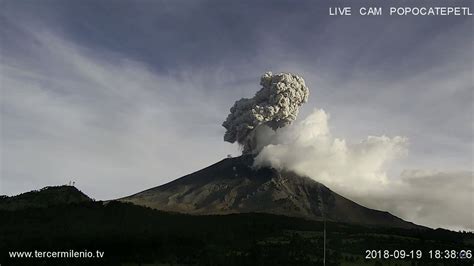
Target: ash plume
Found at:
x=275, y=105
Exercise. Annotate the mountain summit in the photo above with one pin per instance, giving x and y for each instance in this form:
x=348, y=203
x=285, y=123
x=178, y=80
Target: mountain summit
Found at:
x=234, y=186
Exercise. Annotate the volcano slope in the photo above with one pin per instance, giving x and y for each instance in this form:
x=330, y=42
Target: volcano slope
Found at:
x=234, y=186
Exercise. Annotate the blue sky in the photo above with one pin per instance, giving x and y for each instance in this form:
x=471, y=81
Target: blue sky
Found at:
x=121, y=96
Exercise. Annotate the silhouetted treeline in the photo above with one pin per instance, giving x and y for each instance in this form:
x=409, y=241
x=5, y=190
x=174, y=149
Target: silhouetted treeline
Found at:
x=133, y=235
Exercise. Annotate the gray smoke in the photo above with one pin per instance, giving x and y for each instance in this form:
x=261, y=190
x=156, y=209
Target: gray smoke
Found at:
x=275, y=105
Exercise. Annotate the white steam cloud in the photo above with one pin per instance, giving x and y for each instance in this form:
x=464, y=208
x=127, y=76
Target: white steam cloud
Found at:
x=358, y=171
x=275, y=105
x=309, y=149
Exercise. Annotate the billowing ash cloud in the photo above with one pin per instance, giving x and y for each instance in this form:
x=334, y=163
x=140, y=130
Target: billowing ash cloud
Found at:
x=357, y=170
x=275, y=105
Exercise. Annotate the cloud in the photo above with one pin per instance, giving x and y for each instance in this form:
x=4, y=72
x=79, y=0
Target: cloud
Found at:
x=358, y=171
x=432, y=198
x=308, y=147
x=275, y=105
x=69, y=113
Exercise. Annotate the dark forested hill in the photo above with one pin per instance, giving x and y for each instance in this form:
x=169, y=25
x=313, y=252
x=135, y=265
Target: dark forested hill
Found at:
x=135, y=235
x=46, y=197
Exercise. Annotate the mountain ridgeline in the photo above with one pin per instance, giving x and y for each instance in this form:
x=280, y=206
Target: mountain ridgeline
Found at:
x=43, y=198
x=233, y=185
x=226, y=214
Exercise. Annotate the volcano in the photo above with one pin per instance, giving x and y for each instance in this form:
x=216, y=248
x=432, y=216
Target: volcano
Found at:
x=233, y=185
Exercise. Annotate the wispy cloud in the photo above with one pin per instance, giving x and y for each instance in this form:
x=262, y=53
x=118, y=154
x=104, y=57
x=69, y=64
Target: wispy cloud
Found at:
x=68, y=114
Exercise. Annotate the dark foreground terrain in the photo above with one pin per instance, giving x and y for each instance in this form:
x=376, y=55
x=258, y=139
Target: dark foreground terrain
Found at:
x=135, y=235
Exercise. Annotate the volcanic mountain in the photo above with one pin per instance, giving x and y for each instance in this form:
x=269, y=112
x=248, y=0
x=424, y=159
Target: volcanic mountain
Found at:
x=234, y=186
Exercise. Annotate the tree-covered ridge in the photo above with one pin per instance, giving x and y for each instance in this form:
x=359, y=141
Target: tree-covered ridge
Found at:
x=45, y=197
x=134, y=235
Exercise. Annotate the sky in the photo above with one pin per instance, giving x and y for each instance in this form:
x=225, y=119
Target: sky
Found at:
x=121, y=96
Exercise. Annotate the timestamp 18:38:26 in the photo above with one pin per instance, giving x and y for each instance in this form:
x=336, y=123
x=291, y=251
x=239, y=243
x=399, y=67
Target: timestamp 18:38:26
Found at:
x=417, y=254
